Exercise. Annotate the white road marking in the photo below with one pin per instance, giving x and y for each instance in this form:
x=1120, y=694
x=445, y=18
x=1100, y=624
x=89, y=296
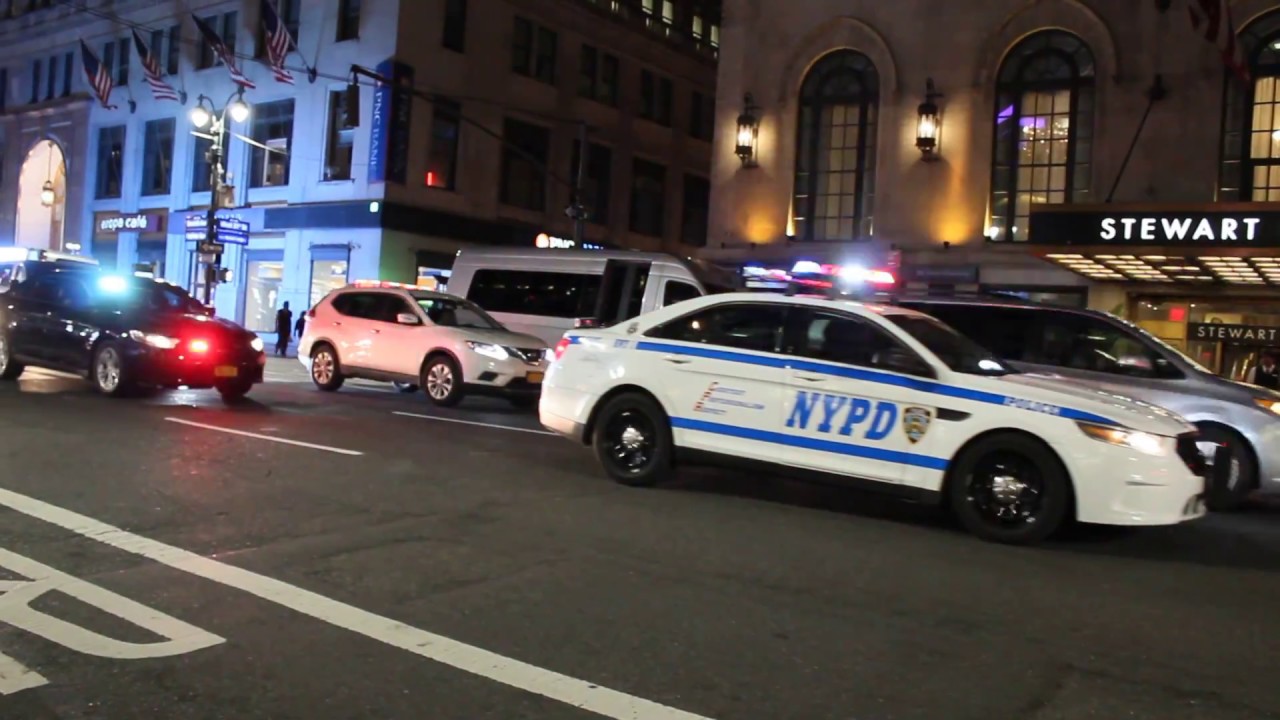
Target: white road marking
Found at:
x=468, y=658
x=285, y=441
x=473, y=422
x=16, y=597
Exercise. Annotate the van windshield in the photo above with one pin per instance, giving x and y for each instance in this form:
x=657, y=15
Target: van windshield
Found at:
x=955, y=350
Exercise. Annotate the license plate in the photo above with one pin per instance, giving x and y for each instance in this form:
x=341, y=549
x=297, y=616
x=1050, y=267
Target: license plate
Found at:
x=534, y=377
x=226, y=371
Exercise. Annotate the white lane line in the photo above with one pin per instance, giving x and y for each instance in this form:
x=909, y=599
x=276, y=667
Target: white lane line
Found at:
x=272, y=438
x=468, y=658
x=472, y=422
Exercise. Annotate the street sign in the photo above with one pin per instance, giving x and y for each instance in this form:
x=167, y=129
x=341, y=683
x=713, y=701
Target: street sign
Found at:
x=211, y=248
x=228, y=230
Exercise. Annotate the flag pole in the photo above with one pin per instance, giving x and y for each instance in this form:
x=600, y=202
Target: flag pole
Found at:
x=1155, y=94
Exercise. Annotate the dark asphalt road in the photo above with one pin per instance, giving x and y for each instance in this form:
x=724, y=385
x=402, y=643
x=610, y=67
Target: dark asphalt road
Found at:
x=723, y=596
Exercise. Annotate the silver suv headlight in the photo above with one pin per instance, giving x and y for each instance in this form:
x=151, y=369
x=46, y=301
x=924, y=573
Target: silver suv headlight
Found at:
x=489, y=350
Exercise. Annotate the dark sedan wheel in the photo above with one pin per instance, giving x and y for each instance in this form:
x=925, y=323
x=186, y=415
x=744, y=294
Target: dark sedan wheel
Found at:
x=632, y=440
x=404, y=387
x=109, y=371
x=1009, y=488
x=233, y=391
x=9, y=369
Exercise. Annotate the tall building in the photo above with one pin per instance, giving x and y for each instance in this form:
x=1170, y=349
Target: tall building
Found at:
x=474, y=142
x=987, y=146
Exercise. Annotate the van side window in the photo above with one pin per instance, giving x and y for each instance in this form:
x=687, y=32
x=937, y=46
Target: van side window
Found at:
x=744, y=326
x=1084, y=342
x=528, y=292
x=678, y=291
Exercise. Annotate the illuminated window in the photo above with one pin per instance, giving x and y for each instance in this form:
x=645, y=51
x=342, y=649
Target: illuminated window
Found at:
x=1043, y=129
x=1251, y=125
x=836, y=148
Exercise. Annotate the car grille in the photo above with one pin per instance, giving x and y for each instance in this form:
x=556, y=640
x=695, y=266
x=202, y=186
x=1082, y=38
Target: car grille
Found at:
x=532, y=356
x=1189, y=451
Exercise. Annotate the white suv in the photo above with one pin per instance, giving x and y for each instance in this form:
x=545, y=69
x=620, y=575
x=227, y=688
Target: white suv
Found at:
x=418, y=338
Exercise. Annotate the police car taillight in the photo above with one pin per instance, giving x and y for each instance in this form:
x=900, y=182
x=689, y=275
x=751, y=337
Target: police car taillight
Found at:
x=561, y=347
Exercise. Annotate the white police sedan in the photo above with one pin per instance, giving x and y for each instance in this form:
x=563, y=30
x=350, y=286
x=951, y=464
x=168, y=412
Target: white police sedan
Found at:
x=874, y=395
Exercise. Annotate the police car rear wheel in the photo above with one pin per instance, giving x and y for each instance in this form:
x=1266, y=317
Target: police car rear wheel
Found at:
x=632, y=439
x=1011, y=489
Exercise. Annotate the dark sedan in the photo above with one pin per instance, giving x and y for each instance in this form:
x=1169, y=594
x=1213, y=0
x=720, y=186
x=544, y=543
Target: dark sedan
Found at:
x=122, y=333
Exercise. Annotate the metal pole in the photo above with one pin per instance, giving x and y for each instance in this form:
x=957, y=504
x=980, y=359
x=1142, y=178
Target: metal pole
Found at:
x=211, y=218
x=579, y=188
x=1155, y=94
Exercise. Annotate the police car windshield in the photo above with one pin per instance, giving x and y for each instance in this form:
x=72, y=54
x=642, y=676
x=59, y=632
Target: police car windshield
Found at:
x=955, y=350
x=146, y=295
x=448, y=312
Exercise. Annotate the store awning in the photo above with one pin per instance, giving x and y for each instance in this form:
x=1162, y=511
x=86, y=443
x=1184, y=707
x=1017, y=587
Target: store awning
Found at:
x=1206, y=269
x=1215, y=244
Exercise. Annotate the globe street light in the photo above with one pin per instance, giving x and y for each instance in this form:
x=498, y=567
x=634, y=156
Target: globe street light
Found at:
x=206, y=115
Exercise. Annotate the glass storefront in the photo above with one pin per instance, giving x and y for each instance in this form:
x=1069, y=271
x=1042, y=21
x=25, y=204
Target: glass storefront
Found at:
x=326, y=276
x=262, y=294
x=1224, y=335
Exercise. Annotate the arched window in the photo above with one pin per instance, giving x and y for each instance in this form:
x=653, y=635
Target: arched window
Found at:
x=836, y=148
x=1043, y=129
x=1251, y=123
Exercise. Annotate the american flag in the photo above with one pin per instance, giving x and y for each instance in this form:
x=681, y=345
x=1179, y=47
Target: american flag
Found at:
x=98, y=75
x=160, y=89
x=1211, y=19
x=223, y=52
x=279, y=42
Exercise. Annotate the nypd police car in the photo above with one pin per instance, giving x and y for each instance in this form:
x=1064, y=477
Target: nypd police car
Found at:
x=874, y=395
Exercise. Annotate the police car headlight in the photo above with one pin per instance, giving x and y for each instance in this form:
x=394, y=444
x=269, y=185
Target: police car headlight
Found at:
x=164, y=342
x=257, y=344
x=1266, y=404
x=1145, y=443
x=489, y=350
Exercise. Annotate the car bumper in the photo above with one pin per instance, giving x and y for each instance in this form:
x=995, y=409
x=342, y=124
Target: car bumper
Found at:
x=1114, y=486
x=169, y=369
x=1266, y=445
x=504, y=377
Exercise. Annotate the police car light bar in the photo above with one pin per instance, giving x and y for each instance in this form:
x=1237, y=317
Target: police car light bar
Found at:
x=19, y=254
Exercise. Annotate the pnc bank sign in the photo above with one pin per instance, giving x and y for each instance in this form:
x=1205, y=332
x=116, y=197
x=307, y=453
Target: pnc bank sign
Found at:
x=1115, y=225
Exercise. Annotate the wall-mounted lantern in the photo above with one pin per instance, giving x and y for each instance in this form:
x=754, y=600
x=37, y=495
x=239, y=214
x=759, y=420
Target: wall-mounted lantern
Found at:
x=928, y=123
x=47, y=194
x=748, y=132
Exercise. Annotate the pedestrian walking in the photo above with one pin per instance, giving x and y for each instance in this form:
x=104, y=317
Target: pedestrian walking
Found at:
x=300, y=326
x=284, y=328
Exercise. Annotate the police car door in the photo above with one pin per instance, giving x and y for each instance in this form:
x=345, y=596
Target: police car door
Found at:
x=850, y=407
x=720, y=376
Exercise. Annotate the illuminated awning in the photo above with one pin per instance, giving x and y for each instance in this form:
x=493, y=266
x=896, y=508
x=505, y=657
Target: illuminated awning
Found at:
x=1192, y=269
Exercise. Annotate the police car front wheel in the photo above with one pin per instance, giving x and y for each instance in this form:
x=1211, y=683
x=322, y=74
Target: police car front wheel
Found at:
x=1010, y=488
x=632, y=440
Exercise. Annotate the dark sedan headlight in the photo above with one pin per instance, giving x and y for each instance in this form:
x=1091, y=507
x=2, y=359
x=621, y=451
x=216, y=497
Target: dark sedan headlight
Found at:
x=155, y=340
x=257, y=344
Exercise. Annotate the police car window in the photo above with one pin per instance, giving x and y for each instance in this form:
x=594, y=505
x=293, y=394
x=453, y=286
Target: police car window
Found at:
x=44, y=288
x=676, y=291
x=744, y=326
x=846, y=340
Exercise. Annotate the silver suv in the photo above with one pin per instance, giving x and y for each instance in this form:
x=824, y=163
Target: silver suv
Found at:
x=1107, y=352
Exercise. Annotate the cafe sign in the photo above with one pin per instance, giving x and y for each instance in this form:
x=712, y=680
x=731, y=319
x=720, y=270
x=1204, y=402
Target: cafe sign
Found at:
x=1234, y=334
x=111, y=223
x=1235, y=226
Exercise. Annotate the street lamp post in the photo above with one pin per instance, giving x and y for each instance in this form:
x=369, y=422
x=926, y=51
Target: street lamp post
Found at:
x=203, y=115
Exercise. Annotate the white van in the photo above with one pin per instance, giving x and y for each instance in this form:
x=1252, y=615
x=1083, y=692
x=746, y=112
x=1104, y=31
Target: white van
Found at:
x=546, y=293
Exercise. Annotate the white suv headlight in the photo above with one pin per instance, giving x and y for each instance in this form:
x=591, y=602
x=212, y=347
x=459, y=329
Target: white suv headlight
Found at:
x=1145, y=443
x=164, y=342
x=489, y=350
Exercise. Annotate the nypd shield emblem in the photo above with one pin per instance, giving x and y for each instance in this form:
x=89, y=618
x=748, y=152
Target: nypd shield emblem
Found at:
x=915, y=422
